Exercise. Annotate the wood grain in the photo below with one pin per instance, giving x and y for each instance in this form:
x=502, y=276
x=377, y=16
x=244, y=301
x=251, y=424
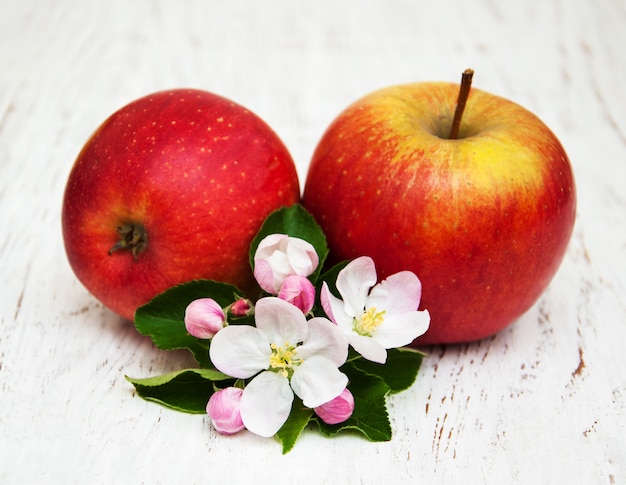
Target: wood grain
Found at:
x=543, y=402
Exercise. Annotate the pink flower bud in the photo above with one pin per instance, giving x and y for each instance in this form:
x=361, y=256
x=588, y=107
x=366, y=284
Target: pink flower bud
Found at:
x=223, y=409
x=337, y=410
x=298, y=291
x=241, y=308
x=278, y=256
x=204, y=318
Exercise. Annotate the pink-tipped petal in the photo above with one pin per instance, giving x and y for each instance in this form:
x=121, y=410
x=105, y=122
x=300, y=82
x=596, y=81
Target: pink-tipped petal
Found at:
x=399, y=293
x=264, y=275
x=335, y=309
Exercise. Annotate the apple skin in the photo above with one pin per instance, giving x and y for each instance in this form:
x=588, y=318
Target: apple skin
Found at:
x=198, y=171
x=484, y=220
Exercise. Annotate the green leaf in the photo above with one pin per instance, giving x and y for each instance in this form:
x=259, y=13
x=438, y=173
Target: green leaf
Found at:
x=330, y=277
x=295, y=221
x=162, y=318
x=399, y=371
x=370, y=416
x=187, y=390
x=295, y=424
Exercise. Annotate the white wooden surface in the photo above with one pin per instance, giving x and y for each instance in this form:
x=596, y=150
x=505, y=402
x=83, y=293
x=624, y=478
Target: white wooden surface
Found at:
x=542, y=402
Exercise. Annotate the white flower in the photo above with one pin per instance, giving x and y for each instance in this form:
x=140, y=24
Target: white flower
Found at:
x=279, y=256
x=383, y=318
x=285, y=354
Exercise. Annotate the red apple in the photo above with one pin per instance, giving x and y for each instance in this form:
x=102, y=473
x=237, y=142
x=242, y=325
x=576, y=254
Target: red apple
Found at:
x=483, y=219
x=170, y=188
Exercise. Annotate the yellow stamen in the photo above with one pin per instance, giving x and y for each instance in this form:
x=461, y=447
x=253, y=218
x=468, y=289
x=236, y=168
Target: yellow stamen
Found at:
x=368, y=322
x=283, y=359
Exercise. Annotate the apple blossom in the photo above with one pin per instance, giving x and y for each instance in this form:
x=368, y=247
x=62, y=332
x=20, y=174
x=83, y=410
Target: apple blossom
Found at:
x=204, y=317
x=284, y=354
x=337, y=410
x=279, y=256
x=298, y=291
x=224, y=410
x=383, y=318
x=241, y=308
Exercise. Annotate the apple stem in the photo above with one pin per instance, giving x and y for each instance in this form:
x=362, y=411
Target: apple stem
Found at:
x=132, y=237
x=466, y=84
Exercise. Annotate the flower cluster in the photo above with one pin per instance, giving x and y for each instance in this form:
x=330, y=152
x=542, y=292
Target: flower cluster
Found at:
x=302, y=345
x=286, y=354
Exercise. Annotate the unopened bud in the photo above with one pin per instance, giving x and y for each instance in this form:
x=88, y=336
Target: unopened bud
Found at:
x=241, y=308
x=223, y=409
x=337, y=410
x=298, y=291
x=204, y=318
x=278, y=256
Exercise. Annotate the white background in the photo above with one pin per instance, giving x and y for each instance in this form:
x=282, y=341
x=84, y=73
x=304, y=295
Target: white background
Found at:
x=541, y=402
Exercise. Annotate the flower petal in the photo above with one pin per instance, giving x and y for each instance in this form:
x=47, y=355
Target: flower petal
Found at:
x=280, y=321
x=264, y=275
x=399, y=293
x=334, y=308
x=266, y=403
x=302, y=256
x=369, y=348
x=317, y=380
x=400, y=330
x=240, y=351
x=354, y=283
x=268, y=245
x=324, y=339
x=281, y=267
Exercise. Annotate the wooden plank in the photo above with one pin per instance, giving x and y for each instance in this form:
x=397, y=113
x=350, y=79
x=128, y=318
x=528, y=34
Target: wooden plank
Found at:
x=542, y=402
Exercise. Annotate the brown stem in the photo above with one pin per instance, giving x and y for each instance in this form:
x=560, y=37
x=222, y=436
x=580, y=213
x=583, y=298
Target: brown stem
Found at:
x=133, y=237
x=466, y=84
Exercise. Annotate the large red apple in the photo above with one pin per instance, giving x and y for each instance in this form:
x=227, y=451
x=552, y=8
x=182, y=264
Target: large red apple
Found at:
x=483, y=219
x=170, y=188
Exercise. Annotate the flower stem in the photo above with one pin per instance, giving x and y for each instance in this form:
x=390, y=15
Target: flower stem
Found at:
x=133, y=237
x=466, y=84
